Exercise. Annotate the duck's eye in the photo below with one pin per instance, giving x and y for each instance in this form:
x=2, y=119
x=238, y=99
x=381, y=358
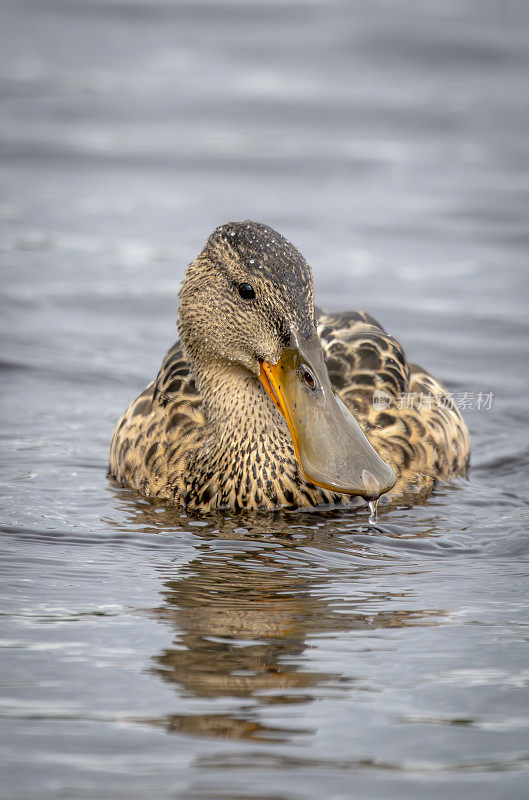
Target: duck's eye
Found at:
x=246, y=291
x=307, y=377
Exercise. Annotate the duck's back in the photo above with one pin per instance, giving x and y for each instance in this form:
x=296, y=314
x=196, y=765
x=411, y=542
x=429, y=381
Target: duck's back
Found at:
x=408, y=415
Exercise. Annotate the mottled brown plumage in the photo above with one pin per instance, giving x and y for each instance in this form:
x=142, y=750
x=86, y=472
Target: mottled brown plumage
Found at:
x=206, y=435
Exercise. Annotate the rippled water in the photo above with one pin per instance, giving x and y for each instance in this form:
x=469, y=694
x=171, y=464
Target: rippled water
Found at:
x=149, y=655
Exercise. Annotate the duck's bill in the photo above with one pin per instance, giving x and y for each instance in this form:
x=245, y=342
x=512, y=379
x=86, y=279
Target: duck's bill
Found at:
x=330, y=446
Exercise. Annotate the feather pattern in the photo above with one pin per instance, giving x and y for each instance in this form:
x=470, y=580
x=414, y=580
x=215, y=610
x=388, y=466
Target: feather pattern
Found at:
x=154, y=442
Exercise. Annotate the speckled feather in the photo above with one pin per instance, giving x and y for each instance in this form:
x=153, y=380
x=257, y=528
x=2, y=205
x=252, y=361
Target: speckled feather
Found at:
x=425, y=442
x=205, y=434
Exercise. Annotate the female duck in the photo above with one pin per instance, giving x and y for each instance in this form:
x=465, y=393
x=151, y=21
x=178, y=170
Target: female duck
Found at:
x=253, y=407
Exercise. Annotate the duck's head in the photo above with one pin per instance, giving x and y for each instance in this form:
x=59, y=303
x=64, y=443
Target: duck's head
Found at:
x=247, y=299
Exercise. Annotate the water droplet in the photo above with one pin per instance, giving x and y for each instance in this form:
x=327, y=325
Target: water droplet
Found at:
x=373, y=511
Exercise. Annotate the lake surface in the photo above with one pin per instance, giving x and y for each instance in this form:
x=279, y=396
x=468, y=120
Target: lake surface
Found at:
x=150, y=655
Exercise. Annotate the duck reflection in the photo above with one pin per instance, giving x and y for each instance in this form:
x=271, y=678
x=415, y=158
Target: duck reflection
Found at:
x=249, y=606
x=242, y=623
x=244, y=619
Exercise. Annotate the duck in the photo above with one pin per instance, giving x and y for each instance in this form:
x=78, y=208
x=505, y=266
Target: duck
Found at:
x=266, y=402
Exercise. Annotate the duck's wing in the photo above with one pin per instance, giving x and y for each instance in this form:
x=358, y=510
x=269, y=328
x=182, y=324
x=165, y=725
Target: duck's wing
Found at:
x=159, y=431
x=406, y=413
x=361, y=357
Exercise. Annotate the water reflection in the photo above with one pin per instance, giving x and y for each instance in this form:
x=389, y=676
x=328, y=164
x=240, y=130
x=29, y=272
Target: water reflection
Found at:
x=249, y=606
x=245, y=620
x=242, y=622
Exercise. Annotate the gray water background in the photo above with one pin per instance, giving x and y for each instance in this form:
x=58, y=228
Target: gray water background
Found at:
x=149, y=655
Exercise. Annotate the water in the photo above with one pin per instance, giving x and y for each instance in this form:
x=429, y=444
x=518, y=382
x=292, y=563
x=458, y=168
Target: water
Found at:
x=147, y=654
